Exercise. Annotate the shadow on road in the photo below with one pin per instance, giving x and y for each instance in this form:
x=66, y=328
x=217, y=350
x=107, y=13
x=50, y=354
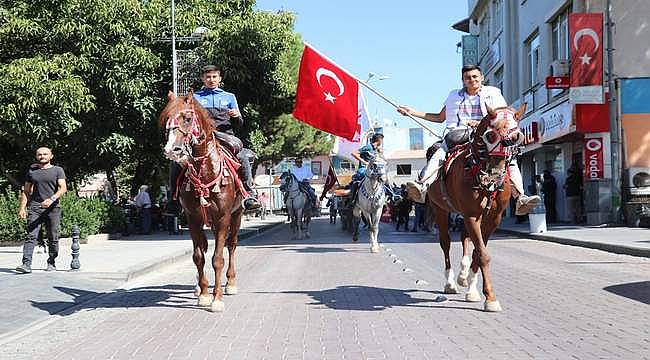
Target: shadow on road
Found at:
x=639, y=291
x=312, y=249
x=367, y=298
x=153, y=296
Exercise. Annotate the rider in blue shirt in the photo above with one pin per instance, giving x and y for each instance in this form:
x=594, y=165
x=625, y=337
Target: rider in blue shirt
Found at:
x=365, y=154
x=223, y=109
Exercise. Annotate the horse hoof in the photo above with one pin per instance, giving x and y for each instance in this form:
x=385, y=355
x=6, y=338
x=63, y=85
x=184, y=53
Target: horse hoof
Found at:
x=472, y=297
x=492, y=306
x=197, y=291
x=462, y=281
x=217, y=306
x=205, y=300
x=355, y=239
x=450, y=289
x=374, y=249
x=231, y=290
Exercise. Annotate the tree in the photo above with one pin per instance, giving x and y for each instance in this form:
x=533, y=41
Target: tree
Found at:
x=82, y=77
x=88, y=78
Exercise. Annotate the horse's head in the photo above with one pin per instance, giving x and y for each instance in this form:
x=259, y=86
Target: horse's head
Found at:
x=377, y=169
x=496, y=138
x=498, y=133
x=285, y=180
x=186, y=123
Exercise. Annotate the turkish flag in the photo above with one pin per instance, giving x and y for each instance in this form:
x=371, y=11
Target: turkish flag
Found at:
x=326, y=97
x=329, y=182
x=586, y=43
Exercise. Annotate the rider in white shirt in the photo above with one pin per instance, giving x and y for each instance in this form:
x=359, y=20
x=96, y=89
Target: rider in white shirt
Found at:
x=304, y=175
x=465, y=108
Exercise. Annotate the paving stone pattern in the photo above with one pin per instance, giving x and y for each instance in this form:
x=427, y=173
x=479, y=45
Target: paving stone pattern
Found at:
x=329, y=298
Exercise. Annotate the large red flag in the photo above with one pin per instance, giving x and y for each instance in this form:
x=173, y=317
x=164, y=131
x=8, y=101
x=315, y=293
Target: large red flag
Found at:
x=326, y=97
x=586, y=43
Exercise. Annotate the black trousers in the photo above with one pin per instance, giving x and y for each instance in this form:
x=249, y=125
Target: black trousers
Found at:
x=37, y=217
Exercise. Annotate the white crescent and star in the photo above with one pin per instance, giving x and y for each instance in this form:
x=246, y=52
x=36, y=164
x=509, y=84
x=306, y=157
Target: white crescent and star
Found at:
x=585, y=32
x=328, y=73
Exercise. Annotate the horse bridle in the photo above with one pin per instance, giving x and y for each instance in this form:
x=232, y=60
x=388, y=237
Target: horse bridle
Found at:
x=509, y=141
x=491, y=140
x=192, y=136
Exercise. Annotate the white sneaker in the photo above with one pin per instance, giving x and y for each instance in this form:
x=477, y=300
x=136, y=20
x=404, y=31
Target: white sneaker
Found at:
x=526, y=203
x=416, y=192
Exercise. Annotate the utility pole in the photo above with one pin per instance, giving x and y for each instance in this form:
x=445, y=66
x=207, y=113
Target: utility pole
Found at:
x=615, y=138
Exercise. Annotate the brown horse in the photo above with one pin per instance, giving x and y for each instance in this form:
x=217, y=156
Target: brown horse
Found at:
x=475, y=183
x=210, y=192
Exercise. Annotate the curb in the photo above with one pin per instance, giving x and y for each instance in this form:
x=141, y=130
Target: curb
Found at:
x=162, y=262
x=617, y=249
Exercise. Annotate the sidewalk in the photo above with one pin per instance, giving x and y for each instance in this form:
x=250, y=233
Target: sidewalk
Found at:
x=105, y=266
x=620, y=240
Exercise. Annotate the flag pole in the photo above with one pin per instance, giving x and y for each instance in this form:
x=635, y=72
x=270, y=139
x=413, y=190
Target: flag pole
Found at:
x=382, y=96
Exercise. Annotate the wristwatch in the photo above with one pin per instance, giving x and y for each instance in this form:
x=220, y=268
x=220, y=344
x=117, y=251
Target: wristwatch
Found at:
x=53, y=198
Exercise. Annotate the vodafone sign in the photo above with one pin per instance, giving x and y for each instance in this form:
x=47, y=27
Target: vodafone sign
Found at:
x=594, y=163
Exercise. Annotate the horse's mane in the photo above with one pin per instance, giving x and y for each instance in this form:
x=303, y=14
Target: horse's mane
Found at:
x=178, y=103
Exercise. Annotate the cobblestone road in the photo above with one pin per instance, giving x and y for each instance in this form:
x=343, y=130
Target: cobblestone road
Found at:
x=328, y=298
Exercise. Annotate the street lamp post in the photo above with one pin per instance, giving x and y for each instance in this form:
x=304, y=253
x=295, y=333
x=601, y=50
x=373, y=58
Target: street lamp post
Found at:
x=195, y=37
x=174, y=64
x=371, y=76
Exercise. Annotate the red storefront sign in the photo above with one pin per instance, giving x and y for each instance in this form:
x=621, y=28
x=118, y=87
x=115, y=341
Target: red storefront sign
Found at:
x=558, y=82
x=594, y=162
x=592, y=118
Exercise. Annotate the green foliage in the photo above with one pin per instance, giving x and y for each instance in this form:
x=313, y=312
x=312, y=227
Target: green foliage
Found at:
x=92, y=215
x=83, y=77
x=295, y=139
x=88, y=79
x=12, y=228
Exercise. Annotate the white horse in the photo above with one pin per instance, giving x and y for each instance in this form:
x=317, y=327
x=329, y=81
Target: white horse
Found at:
x=371, y=198
x=298, y=206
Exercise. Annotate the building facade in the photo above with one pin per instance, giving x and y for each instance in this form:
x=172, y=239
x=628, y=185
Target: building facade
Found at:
x=520, y=44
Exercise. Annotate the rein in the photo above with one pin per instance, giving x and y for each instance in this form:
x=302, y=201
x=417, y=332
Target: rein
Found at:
x=476, y=157
x=195, y=166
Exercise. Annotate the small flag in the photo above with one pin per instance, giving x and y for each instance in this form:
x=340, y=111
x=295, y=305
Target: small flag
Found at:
x=330, y=180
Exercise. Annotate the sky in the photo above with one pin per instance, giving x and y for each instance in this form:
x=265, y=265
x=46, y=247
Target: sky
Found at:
x=411, y=42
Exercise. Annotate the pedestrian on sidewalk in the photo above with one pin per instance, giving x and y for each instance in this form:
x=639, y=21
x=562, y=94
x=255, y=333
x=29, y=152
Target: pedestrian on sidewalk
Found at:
x=143, y=203
x=549, y=188
x=573, y=189
x=419, y=213
x=39, y=205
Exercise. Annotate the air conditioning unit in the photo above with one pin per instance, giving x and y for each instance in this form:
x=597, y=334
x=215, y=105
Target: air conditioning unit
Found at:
x=560, y=67
x=637, y=180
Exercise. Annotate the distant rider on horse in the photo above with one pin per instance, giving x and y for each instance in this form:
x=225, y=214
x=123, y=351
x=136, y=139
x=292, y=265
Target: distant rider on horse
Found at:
x=224, y=111
x=365, y=154
x=303, y=174
x=463, y=110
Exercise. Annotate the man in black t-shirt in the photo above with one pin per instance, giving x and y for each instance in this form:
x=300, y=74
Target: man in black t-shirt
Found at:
x=39, y=204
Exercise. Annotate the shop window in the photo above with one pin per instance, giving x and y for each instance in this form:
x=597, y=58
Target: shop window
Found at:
x=403, y=169
x=316, y=168
x=532, y=59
